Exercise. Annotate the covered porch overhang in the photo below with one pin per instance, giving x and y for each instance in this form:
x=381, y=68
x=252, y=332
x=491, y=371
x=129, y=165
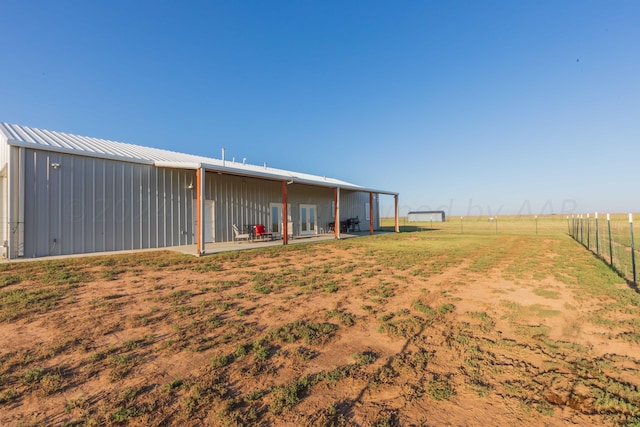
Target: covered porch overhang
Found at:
x=286, y=180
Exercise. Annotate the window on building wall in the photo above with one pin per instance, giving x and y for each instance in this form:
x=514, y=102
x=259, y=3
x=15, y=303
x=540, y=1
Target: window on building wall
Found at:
x=333, y=209
x=367, y=210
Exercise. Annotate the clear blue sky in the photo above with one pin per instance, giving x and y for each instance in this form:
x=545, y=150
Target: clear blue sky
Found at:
x=477, y=107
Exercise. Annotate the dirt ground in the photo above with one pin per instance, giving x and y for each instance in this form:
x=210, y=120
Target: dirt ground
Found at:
x=330, y=334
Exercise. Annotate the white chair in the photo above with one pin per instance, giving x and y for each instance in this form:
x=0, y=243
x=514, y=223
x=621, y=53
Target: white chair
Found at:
x=240, y=236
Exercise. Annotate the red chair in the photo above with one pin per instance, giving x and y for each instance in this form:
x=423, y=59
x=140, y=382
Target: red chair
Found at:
x=262, y=233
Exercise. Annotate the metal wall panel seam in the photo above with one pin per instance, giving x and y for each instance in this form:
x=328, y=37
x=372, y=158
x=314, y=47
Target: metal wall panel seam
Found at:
x=113, y=207
x=62, y=241
x=158, y=204
x=181, y=199
x=165, y=210
x=153, y=206
x=168, y=190
x=104, y=206
x=131, y=199
x=132, y=206
x=93, y=206
x=109, y=208
x=184, y=223
x=171, y=213
x=232, y=208
x=58, y=248
x=179, y=206
x=11, y=193
x=140, y=221
x=119, y=196
x=83, y=204
x=145, y=223
x=43, y=239
x=43, y=206
x=128, y=207
x=229, y=219
x=22, y=185
x=161, y=224
x=173, y=207
x=186, y=208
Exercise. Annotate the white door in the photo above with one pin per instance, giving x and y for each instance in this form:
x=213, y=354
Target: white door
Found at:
x=275, y=219
x=308, y=219
x=209, y=220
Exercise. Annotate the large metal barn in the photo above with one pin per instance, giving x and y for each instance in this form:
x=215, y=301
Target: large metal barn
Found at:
x=66, y=194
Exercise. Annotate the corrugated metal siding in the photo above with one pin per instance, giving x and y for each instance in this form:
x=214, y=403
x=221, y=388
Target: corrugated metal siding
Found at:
x=245, y=201
x=15, y=202
x=4, y=217
x=4, y=197
x=353, y=204
x=91, y=205
x=4, y=155
x=77, y=204
x=240, y=201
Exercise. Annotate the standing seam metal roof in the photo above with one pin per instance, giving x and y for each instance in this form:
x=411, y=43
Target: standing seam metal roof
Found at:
x=24, y=136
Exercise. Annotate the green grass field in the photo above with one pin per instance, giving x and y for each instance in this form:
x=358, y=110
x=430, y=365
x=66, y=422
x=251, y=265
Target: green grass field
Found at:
x=614, y=249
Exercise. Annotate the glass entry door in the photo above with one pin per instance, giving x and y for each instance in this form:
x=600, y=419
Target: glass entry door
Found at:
x=275, y=219
x=308, y=219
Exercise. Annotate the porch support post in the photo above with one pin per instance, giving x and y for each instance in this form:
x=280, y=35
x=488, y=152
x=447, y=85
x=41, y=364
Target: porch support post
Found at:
x=395, y=199
x=285, y=214
x=200, y=197
x=336, y=216
x=371, y=213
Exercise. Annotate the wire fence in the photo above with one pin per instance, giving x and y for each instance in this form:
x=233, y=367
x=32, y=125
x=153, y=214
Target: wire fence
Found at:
x=506, y=224
x=611, y=239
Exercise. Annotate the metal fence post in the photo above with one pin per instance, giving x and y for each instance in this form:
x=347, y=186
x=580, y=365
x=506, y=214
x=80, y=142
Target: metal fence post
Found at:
x=571, y=230
x=588, y=232
x=633, y=249
x=461, y=226
x=597, y=237
x=610, y=245
x=581, y=230
x=536, y=225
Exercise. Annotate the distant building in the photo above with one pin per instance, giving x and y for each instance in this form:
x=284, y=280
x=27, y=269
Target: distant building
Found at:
x=426, y=216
